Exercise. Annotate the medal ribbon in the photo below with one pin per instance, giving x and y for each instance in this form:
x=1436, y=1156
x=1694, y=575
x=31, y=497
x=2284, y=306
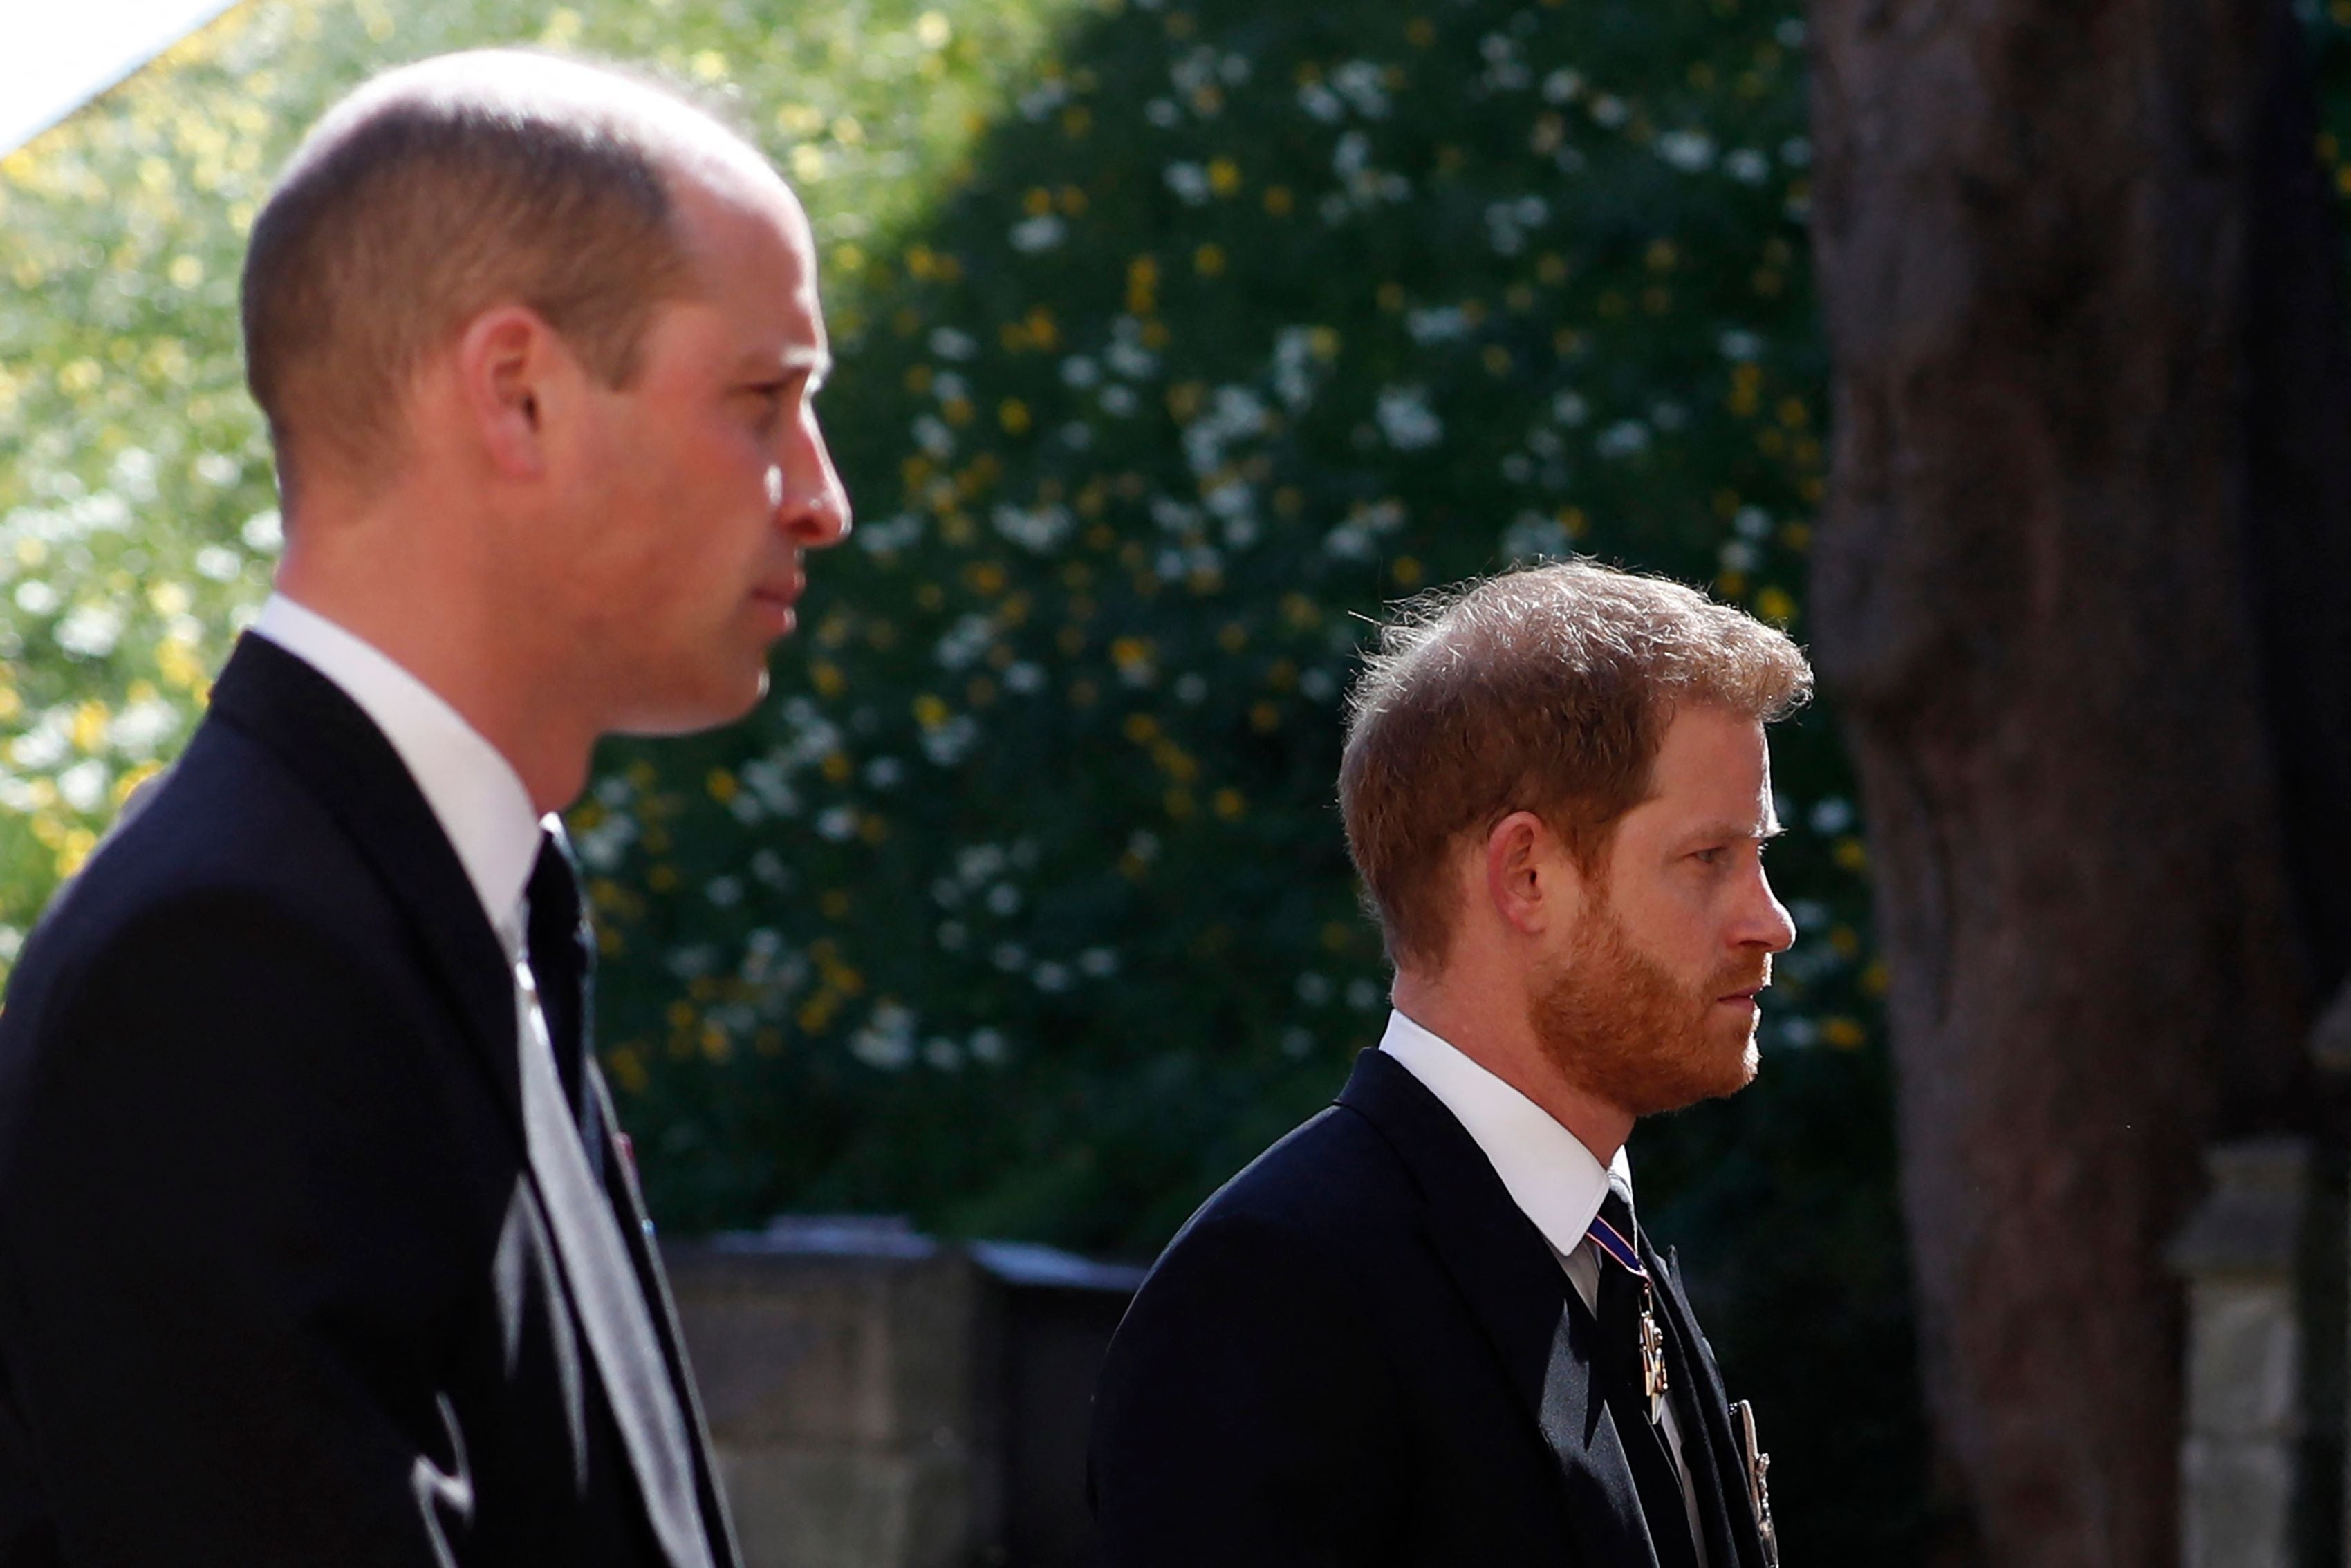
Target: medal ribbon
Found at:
x=1611, y=1240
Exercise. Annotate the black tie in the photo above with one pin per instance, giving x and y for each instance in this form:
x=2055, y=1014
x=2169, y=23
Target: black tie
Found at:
x=614, y=1317
x=1619, y=1376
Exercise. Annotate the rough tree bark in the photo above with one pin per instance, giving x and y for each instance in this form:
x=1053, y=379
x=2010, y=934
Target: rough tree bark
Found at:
x=2083, y=596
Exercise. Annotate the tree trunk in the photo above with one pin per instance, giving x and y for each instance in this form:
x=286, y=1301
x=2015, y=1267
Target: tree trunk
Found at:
x=2080, y=594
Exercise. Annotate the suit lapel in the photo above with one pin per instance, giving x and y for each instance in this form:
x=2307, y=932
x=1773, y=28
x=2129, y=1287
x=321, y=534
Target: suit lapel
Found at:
x=1521, y=1298
x=620, y=1175
x=324, y=739
x=1732, y=1540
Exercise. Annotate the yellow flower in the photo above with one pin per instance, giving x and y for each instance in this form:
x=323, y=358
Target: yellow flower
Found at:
x=89, y=722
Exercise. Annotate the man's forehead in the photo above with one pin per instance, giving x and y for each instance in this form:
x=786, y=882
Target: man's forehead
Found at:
x=1715, y=766
x=751, y=234
x=754, y=262
x=720, y=181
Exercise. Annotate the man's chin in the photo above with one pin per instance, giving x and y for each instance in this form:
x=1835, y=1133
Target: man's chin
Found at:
x=704, y=710
x=1749, y=1062
x=1726, y=1073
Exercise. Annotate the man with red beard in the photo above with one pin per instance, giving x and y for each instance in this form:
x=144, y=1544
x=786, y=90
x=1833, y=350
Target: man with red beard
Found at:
x=1425, y=1327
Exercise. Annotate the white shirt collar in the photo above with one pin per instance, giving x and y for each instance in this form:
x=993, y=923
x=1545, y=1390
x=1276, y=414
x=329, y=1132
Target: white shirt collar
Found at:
x=1555, y=1181
x=475, y=793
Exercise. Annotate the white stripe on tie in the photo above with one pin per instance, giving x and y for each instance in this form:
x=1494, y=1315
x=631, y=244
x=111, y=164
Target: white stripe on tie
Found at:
x=604, y=1291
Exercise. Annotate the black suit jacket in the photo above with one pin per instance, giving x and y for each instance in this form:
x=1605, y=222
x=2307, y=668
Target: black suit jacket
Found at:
x=1360, y=1352
x=275, y=1286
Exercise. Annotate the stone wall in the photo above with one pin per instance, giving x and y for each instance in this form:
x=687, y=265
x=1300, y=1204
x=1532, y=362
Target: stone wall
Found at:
x=2262, y=1449
x=880, y=1399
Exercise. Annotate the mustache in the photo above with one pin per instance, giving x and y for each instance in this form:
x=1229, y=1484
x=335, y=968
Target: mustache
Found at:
x=1742, y=977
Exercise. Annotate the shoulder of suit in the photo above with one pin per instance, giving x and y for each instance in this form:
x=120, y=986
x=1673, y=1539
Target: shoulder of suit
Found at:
x=227, y=826
x=1333, y=1179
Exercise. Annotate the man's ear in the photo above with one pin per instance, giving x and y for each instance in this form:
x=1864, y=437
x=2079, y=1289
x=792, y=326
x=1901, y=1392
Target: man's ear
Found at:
x=1530, y=879
x=508, y=361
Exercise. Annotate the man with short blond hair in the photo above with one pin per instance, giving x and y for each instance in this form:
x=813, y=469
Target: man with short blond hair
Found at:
x=1425, y=1328
x=318, y=1242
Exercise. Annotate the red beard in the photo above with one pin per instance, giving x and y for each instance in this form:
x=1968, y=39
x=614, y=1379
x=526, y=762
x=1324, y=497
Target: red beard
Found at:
x=1618, y=1027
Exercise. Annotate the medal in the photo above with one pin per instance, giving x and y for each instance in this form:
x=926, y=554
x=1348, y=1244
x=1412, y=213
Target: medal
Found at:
x=1653, y=1347
x=1759, y=1491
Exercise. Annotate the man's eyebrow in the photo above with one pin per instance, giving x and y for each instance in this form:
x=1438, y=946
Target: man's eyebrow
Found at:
x=816, y=365
x=1726, y=829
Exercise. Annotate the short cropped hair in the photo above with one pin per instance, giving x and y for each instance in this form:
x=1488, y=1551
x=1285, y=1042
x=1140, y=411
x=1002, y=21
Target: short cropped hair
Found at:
x=1546, y=689
x=439, y=191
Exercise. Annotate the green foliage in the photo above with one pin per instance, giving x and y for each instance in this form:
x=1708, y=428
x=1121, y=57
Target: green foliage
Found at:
x=1175, y=340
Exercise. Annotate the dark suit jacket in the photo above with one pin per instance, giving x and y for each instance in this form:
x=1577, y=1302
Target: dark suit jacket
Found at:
x=275, y=1287
x=1360, y=1352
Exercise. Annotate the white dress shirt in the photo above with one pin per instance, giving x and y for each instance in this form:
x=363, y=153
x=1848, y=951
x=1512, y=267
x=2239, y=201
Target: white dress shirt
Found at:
x=474, y=792
x=1556, y=1182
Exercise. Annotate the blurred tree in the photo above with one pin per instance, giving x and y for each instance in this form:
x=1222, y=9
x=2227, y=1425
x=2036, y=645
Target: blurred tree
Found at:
x=2082, y=593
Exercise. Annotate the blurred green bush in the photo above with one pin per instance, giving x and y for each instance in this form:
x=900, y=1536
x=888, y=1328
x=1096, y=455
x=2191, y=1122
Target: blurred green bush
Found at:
x=1175, y=337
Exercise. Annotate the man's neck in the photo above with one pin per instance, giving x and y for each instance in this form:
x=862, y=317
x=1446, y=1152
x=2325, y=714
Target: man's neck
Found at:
x=461, y=647
x=1485, y=1021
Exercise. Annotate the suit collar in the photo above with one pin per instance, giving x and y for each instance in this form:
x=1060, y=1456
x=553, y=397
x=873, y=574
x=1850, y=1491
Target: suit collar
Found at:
x=1520, y=1298
x=326, y=742
x=476, y=795
x=1552, y=1177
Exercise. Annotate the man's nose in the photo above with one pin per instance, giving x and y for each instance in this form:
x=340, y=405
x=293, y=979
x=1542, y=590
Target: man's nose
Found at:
x=1766, y=921
x=811, y=505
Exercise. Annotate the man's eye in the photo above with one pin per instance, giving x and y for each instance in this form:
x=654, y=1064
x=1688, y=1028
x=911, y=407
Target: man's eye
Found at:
x=1706, y=857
